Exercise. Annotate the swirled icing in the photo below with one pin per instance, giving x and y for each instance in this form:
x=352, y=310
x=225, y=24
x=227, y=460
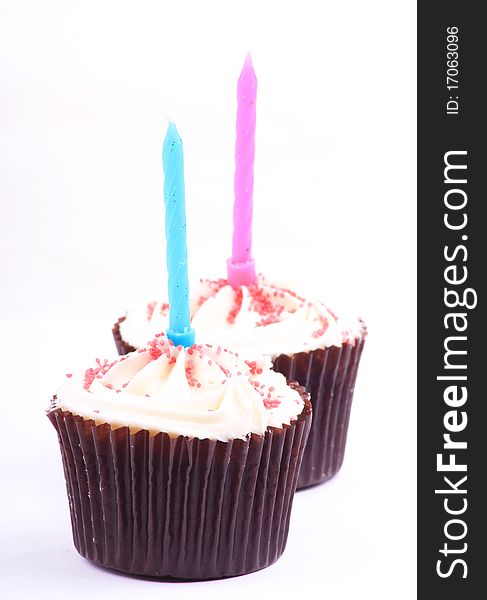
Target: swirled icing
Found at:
x=264, y=318
x=201, y=391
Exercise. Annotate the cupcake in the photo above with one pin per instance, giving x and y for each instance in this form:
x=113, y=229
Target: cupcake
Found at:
x=181, y=462
x=306, y=341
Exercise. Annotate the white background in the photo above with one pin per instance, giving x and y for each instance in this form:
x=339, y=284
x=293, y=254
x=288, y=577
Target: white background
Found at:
x=84, y=90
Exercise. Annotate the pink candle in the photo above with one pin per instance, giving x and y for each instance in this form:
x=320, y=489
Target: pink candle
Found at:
x=240, y=267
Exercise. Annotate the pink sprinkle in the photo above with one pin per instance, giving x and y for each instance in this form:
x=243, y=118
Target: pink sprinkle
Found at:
x=269, y=320
x=99, y=371
x=69, y=375
x=271, y=403
x=150, y=310
x=237, y=305
x=318, y=333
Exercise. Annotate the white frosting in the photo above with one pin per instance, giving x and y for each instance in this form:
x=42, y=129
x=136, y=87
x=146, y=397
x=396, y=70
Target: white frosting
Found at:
x=202, y=392
x=265, y=318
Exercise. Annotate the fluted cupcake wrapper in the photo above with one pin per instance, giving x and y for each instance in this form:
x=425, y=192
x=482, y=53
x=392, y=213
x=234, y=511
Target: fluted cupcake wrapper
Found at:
x=122, y=346
x=180, y=507
x=329, y=375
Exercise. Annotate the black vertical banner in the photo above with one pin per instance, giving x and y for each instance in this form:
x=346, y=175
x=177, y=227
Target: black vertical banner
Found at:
x=452, y=323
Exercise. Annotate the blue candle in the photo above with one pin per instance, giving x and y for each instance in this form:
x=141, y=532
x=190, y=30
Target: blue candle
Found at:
x=180, y=330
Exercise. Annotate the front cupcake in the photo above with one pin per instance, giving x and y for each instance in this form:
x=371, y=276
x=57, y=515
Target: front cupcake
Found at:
x=306, y=341
x=181, y=462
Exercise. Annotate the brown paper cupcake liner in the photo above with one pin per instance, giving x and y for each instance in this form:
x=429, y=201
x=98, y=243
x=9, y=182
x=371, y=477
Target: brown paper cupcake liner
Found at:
x=329, y=375
x=180, y=507
x=122, y=346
